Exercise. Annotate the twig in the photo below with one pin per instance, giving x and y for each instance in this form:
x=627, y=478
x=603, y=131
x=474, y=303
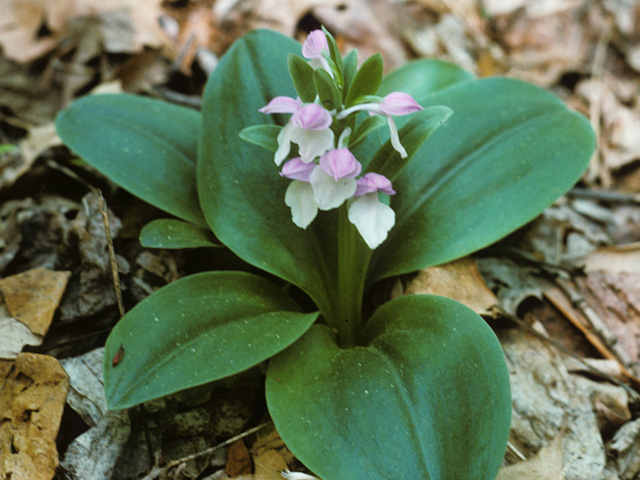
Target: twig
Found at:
x=515, y=451
x=107, y=230
x=600, y=328
x=610, y=196
x=157, y=471
x=112, y=252
x=590, y=368
x=595, y=102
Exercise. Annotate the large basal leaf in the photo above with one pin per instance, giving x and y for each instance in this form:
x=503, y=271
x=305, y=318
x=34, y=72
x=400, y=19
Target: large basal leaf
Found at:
x=427, y=396
x=146, y=146
x=198, y=329
x=241, y=193
x=508, y=151
x=423, y=76
x=172, y=233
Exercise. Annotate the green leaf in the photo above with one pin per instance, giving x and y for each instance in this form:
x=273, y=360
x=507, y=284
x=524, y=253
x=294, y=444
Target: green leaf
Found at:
x=420, y=77
x=327, y=90
x=367, y=80
x=509, y=151
x=426, y=396
x=350, y=67
x=335, y=57
x=365, y=128
x=195, y=330
x=241, y=191
x=7, y=148
x=302, y=76
x=172, y=233
x=146, y=146
x=265, y=136
x=388, y=162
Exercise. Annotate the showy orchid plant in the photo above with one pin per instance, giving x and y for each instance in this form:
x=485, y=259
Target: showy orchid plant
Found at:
x=298, y=176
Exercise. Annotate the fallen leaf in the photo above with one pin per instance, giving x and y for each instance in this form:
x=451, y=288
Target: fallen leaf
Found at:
x=23, y=98
x=548, y=402
x=93, y=454
x=545, y=465
x=512, y=281
x=615, y=259
x=268, y=465
x=127, y=25
x=14, y=335
x=33, y=296
x=238, y=459
x=624, y=449
x=32, y=398
x=459, y=280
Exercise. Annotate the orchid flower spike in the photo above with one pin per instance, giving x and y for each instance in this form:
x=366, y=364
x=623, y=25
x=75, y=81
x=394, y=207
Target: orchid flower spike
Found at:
x=308, y=127
x=394, y=104
x=314, y=48
x=372, y=218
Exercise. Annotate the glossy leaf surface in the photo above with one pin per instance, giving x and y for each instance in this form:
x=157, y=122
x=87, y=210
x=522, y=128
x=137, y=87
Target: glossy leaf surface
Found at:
x=172, y=233
x=148, y=147
x=239, y=185
x=388, y=162
x=241, y=178
x=426, y=397
x=195, y=330
x=508, y=151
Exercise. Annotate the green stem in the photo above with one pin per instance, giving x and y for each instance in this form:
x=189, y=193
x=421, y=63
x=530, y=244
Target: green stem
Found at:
x=353, y=259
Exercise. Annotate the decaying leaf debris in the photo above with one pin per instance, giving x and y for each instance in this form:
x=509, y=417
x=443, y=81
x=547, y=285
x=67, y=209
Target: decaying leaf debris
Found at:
x=571, y=278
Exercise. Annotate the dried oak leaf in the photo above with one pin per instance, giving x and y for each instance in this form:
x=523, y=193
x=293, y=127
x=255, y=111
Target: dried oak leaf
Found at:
x=33, y=296
x=459, y=280
x=32, y=398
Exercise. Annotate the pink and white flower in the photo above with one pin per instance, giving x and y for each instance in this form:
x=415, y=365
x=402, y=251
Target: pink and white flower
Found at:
x=394, y=104
x=308, y=127
x=334, y=181
x=315, y=47
x=372, y=218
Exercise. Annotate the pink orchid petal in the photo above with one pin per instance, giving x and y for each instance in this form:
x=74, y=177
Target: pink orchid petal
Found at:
x=315, y=44
x=340, y=163
x=374, y=182
x=281, y=105
x=398, y=103
x=312, y=117
x=296, y=169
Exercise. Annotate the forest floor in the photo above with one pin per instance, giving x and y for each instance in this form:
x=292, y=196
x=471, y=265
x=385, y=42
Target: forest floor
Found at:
x=562, y=293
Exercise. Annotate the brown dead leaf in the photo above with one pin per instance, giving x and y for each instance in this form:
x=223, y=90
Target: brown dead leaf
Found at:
x=238, y=460
x=38, y=140
x=32, y=397
x=620, y=118
x=459, y=280
x=546, y=43
x=616, y=259
x=14, y=335
x=33, y=296
x=268, y=465
x=544, y=465
x=127, y=25
x=23, y=99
